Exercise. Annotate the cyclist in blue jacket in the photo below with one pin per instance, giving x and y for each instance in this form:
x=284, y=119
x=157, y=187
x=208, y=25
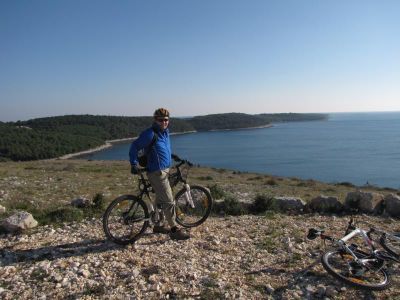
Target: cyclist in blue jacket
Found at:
x=158, y=163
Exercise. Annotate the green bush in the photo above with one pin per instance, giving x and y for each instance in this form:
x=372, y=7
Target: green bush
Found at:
x=216, y=191
x=261, y=204
x=59, y=215
x=25, y=205
x=205, y=177
x=271, y=181
x=98, y=207
x=232, y=206
x=254, y=178
x=99, y=202
x=345, y=183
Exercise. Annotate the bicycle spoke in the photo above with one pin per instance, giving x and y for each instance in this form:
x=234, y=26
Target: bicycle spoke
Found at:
x=391, y=243
x=362, y=274
x=125, y=220
x=193, y=211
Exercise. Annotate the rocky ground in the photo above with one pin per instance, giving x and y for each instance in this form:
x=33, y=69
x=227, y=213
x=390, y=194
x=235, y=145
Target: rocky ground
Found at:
x=245, y=257
x=241, y=257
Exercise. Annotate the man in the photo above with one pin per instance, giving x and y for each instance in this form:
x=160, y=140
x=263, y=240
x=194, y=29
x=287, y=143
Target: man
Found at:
x=159, y=161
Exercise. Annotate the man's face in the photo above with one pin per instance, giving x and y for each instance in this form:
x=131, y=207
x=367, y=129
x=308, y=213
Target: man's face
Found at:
x=163, y=122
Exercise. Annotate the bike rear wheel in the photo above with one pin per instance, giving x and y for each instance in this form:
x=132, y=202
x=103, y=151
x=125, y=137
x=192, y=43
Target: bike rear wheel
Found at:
x=188, y=216
x=391, y=243
x=343, y=266
x=125, y=219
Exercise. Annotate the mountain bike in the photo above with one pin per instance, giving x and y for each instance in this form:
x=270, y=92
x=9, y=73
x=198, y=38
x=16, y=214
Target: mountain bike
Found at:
x=359, y=268
x=128, y=216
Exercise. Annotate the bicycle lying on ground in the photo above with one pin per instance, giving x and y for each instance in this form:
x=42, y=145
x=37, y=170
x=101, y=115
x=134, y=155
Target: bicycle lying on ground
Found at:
x=366, y=270
x=128, y=216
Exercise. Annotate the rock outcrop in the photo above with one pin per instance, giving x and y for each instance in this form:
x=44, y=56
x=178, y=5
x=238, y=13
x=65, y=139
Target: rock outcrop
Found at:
x=289, y=204
x=326, y=204
x=364, y=202
x=18, y=222
x=392, y=205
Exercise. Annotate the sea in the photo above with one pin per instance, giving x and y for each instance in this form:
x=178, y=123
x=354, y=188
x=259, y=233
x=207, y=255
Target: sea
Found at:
x=358, y=148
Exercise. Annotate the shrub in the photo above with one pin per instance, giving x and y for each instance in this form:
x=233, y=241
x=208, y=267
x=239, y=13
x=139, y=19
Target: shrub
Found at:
x=216, y=191
x=306, y=183
x=59, y=215
x=99, y=202
x=271, y=181
x=345, y=183
x=98, y=207
x=23, y=204
x=206, y=178
x=261, y=204
x=254, y=178
x=232, y=206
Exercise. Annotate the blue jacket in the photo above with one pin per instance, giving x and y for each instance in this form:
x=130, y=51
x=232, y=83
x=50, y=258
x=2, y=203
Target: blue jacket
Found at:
x=159, y=156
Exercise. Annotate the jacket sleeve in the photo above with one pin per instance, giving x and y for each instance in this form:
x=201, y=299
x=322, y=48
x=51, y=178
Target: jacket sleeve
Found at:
x=141, y=142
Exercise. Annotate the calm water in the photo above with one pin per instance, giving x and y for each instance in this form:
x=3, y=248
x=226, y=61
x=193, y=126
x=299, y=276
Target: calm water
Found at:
x=357, y=148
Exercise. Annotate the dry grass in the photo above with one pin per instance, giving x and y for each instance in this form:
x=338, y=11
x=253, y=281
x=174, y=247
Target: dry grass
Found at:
x=51, y=184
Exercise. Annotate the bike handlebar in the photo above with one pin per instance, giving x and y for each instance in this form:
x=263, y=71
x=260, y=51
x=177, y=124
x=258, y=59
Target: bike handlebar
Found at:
x=180, y=160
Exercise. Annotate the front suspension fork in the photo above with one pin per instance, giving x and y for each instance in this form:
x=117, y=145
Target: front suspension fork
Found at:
x=188, y=196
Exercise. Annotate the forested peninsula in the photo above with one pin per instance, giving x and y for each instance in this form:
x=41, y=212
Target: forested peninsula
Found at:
x=51, y=137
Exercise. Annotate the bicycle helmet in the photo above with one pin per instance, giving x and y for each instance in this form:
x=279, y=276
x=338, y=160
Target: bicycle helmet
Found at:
x=161, y=113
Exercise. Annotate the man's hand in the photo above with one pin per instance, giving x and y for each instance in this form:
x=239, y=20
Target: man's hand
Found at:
x=134, y=169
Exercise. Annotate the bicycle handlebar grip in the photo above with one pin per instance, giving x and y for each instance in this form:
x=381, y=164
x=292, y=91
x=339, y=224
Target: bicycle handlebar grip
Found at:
x=175, y=157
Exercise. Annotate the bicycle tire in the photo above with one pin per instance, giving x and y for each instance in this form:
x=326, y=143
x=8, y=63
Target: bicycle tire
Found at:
x=331, y=266
x=391, y=243
x=187, y=216
x=122, y=215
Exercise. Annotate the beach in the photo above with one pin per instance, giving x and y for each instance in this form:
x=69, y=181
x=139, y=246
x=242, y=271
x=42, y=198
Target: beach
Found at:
x=108, y=144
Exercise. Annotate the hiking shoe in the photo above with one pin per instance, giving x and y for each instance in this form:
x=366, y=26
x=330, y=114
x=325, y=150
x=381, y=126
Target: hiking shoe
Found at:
x=161, y=229
x=180, y=234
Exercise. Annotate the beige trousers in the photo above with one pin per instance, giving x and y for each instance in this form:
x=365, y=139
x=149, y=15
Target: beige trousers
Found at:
x=159, y=182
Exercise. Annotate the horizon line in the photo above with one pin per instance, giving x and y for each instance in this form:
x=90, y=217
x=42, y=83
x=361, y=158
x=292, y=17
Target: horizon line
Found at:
x=191, y=116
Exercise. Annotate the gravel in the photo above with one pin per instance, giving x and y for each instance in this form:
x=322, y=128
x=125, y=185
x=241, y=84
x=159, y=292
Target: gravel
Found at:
x=246, y=257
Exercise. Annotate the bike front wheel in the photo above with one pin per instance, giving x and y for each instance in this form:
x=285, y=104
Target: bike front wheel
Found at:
x=344, y=267
x=125, y=219
x=391, y=243
x=194, y=211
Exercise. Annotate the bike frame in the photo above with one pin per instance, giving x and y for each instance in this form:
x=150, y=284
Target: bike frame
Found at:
x=368, y=241
x=375, y=255
x=357, y=261
x=145, y=188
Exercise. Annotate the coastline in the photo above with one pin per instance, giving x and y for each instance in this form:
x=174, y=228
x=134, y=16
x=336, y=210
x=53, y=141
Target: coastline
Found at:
x=109, y=143
x=71, y=155
x=244, y=128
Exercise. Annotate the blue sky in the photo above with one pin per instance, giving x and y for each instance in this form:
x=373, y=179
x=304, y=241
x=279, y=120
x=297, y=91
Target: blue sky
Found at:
x=197, y=57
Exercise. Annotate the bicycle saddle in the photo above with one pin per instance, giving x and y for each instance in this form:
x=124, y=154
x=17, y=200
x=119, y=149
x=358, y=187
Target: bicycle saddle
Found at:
x=314, y=233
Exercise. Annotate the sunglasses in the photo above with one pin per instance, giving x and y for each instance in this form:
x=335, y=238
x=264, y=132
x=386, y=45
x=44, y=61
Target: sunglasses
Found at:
x=163, y=120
